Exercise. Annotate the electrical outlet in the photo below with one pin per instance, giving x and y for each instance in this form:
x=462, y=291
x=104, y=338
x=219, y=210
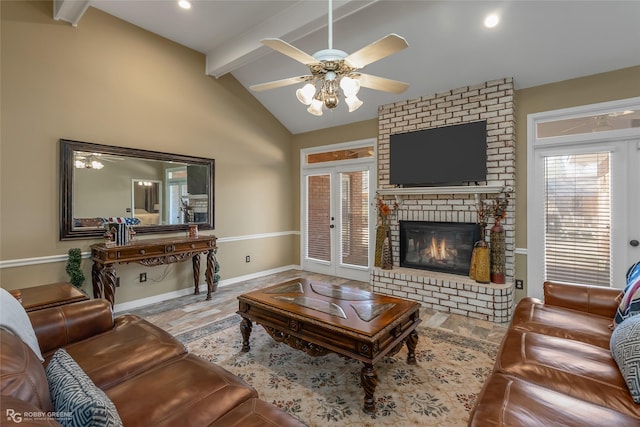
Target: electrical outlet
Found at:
x=143, y=277
x=519, y=284
x=247, y=258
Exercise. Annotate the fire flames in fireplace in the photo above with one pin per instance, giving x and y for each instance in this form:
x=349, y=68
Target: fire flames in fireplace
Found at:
x=437, y=246
x=439, y=251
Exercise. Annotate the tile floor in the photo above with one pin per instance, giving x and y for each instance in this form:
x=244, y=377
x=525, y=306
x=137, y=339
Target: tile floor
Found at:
x=183, y=314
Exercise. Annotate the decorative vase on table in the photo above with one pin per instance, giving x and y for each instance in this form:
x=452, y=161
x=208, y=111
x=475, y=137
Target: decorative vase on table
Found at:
x=496, y=238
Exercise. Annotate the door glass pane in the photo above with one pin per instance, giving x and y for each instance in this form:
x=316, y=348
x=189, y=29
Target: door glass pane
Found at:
x=318, y=218
x=578, y=218
x=354, y=215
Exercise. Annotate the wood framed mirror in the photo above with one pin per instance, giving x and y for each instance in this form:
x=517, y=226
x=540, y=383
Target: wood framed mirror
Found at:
x=152, y=191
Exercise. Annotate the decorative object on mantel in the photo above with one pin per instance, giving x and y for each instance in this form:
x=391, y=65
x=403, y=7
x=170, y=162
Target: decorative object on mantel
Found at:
x=76, y=276
x=193, y=230
x=383, y=233
x=480, y=261
x=496, y=237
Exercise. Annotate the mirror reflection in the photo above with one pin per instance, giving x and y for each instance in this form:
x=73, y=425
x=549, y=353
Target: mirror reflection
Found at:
x=152, y=191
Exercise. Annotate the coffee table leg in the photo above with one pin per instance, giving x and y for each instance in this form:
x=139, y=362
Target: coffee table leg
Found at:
x=412, y=341
x=245, y=329
x=369, y=380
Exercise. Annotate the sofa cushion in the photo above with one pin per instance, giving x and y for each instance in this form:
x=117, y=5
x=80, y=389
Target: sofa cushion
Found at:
x=189, y=391
x=630, y=300
x=22, y=374
x=133, y=346
x=76, y=399
x=532, y=315
x=574, y=368
x=14, y=318
x=510, y=401
x=625, y=348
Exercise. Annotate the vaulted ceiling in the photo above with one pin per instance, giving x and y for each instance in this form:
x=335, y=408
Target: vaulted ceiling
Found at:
x=535, y=42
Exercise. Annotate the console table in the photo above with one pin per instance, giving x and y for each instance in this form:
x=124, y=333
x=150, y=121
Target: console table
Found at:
x=149, y=253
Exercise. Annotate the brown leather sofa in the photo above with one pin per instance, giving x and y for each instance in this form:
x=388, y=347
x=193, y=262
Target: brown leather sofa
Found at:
x=146, y=372
x=554, y=367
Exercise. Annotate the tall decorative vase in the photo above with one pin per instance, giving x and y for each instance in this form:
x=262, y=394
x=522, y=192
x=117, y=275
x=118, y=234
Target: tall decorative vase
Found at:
x=382, y=231
x=482, y=273
x=496, y=238
x=387, y=260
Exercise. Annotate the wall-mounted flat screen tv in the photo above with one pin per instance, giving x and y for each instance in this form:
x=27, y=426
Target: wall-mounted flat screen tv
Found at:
x=450, y=155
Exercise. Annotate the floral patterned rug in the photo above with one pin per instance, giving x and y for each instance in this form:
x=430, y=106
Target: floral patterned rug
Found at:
x=439, y=391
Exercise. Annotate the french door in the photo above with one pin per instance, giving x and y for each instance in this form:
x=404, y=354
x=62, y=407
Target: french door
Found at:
x=336, y=220
x=583, y=196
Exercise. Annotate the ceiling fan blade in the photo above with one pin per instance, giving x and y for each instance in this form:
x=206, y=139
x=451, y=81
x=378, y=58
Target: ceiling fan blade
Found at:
x=280, y=83
x=289, y=50
x=377, y=50
x=380, y=83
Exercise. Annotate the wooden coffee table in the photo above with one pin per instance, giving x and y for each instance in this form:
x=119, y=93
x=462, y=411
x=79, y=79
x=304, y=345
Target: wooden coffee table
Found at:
x=319, y=318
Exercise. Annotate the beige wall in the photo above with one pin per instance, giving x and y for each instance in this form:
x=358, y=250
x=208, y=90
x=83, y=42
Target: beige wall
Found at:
x=112, y=83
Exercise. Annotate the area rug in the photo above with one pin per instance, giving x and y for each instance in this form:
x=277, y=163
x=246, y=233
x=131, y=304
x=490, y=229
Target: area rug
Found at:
x=439, y=391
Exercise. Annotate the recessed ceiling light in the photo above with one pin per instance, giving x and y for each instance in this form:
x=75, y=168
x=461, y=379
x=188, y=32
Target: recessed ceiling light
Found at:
x=185, y=4
x=491, y=20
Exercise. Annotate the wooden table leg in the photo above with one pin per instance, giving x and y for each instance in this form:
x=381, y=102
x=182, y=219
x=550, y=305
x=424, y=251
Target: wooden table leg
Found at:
x=108, y=283
x=95, y=279
x=412, y=341
x=245, y=329
x=369, y=381
x=196, y=273
x=209, y=274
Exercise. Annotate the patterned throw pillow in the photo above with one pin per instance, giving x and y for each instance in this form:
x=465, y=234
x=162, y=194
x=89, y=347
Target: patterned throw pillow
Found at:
x=630, y=301
x=76, y=399
x=625, y=349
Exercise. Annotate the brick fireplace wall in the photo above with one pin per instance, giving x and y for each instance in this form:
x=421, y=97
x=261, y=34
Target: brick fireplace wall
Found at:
x=491, y=101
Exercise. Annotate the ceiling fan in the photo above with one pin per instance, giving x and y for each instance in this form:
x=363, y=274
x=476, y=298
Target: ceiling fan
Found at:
x=332, y=69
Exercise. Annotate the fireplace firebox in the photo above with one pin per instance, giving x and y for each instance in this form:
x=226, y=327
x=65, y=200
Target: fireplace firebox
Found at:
x=438, y=246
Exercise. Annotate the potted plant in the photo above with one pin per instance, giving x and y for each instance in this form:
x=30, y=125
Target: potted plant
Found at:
x=76, y=276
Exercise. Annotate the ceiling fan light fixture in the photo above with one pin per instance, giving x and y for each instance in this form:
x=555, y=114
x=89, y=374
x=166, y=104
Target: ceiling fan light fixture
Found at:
x=349, y=86
x=306, y=93
x=353, y=103
x=315, y=107
x=330, y=93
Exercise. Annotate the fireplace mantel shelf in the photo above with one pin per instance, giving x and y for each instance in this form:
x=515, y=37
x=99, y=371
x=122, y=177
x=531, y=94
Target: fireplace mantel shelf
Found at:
x=457, y=189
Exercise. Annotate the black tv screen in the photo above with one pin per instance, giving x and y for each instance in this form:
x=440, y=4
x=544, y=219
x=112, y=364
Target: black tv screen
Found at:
x=445, y=155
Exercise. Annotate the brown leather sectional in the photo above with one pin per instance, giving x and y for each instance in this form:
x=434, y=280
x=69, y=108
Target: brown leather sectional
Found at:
x=146, y=372
x=554, y=367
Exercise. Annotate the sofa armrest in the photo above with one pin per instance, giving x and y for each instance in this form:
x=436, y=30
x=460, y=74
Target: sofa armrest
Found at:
x=56, y=327
x=590, y=299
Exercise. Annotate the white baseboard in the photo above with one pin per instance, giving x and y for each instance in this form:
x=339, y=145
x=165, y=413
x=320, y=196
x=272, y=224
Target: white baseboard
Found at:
x=132, y=305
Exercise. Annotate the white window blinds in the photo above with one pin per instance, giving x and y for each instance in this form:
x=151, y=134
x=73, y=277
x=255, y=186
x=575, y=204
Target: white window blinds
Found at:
x=577, y=198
